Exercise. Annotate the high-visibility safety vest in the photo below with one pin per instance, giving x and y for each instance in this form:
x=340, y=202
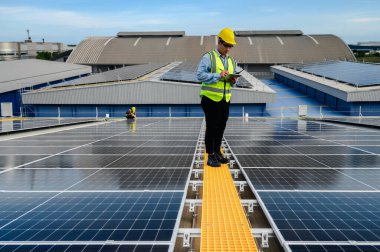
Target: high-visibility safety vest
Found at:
x=222, y=88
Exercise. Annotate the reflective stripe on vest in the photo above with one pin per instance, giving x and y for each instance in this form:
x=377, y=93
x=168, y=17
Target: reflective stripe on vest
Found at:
x=216, y=91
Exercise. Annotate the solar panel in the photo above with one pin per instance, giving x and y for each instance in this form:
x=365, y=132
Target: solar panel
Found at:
x=371, y=121
x=135, y=179
x=313, y=179
x=116, y=150
x=250, y=143
x=84, y=248
x=137, y=202
x=328, y=150
x=325, y=216
x=170, y=143
x=74, y=161
x=30, y=150
x=343, y=161
x=264, y=150
x=314, y=190
x=7, y=126
x=10, y=161
x=373, y=149
x=42, y=179
x=15, y=204
x=336, y=248
x=153, y=161
x=164, y=150
x=277, y=161
x=120, y=74
x=96, y=216
x=32, y=143
x=184, y=72
x=357, y=74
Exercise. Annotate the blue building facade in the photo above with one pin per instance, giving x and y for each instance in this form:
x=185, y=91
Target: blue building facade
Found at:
x=15, y=96
x=236, y=110
x=347, y=108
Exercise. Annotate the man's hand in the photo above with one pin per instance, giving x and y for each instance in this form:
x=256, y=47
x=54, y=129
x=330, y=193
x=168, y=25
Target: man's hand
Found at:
x=224, y=74
x=233, y=80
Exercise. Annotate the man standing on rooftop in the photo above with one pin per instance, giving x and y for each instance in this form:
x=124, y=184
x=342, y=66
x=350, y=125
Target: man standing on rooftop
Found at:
x=214, y=72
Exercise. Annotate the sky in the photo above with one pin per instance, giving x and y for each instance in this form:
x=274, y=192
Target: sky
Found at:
x=70, y=21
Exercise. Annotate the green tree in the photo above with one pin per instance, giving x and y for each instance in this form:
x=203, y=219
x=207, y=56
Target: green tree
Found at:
x=44, y=55
x=361, y=54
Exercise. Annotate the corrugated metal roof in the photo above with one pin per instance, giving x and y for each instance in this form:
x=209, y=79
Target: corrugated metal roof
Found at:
x=150, y=34
x=273, y=32
x=265, y=49
x=146, y=92
x=18, y=74
x=89, y=50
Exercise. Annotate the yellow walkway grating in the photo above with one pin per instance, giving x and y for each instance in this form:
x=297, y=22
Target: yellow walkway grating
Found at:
x=224, y=225
x=12, y=119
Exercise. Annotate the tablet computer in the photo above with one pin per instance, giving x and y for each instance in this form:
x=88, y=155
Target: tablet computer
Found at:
x=234, y=76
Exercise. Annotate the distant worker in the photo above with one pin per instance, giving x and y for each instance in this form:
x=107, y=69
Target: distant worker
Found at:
x=131, y=113
x=214, y=72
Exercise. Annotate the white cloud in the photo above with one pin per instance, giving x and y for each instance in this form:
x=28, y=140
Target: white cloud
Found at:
x=365, y=20
x=58, y=18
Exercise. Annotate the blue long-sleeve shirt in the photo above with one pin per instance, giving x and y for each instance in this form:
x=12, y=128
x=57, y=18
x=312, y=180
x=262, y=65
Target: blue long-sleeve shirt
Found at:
x=204, y=69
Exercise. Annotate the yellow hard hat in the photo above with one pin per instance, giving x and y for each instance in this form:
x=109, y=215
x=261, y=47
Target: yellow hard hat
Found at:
x=227, y=35
x=133, y=109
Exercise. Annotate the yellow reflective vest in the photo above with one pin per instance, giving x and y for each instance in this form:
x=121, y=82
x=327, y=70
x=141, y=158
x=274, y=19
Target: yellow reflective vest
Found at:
x=222, y=88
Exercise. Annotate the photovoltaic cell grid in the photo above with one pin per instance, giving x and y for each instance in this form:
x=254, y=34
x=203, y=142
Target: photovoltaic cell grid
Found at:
x=89, y=185
x=313, y=179
x=325, y=216
x=120, y=74
x=318, y=181
x=27, y=124
x=84, y=248
x=97, y=216
x=184, y=72
x=187, y=72
x=371, y=121
x=352, y=73
x=336, y=248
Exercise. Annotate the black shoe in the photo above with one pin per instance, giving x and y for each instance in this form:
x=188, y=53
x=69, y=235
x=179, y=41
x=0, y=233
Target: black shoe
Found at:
x=213, y=161
x=221, y=158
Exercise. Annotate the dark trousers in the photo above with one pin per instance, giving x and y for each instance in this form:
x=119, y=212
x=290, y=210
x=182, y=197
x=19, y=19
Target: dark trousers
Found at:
x=216, y=114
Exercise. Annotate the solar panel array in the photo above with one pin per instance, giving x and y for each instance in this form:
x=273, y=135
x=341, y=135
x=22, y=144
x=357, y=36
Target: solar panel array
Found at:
x=7, y=125
x=357, y=74
x=318, y=182
x=116, y=186
x=336, y=248
x=187, y=72
x=184, y=72
x=120, y=74
x=366, y=121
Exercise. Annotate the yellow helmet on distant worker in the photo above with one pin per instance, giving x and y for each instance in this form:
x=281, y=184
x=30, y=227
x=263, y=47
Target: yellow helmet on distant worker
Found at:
x=133, y=109
x=227, y=35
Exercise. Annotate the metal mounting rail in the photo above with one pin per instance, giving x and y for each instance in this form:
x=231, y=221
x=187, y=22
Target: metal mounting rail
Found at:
x=235, y=172
x=240, y=184
x=263, y=233
x=192, y=203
